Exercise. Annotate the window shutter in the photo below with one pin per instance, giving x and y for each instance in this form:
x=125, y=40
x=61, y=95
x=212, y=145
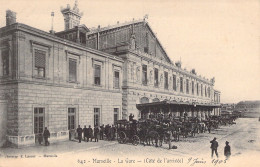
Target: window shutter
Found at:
x=5, y=59
x=97, y=74
x=174, y=82
x=116, y=79
x=144, y=78
x=72, y=70
x=40, y=58
x=201, y=90
x=97, y=71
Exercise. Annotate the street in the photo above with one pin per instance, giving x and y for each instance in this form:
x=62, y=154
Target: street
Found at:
x=244, y=139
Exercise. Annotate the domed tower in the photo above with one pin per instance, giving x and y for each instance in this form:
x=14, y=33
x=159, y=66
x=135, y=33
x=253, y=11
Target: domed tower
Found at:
x=72, y=16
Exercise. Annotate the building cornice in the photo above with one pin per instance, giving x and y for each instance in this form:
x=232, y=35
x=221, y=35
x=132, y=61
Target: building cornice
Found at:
x=169, y=66
x=182, y=95
x=17, y=81
x=53, y=38
x=217, y=91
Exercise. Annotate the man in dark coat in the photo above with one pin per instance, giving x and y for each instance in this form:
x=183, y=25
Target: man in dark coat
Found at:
x=46, y=135
x=85, y=132
x=107, y=133
x=131, y=117
x=227, y=150
x=96, y=132
x=79, y=131
x=101, y=133
x=113, y=132
x=209, y=127
x=90, y=133
x=214, y=147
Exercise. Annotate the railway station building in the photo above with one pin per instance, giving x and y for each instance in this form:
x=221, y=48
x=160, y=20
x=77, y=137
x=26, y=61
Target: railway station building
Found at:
x=83, y=76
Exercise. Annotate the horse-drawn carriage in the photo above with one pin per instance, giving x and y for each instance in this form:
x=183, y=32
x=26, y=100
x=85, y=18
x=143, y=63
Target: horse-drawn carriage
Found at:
x=146, y=132
x=155, y=131
x=127, y=132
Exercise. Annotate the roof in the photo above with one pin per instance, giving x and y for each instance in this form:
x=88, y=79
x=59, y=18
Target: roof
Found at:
x=119, y=25
x=92, y=31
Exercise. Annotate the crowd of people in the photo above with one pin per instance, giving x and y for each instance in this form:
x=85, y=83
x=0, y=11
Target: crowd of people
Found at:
x=107, y=132
x=98, y=133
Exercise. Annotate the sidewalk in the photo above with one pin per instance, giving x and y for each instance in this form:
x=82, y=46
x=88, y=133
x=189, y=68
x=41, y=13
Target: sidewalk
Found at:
x=70, y=147
x=65, y=147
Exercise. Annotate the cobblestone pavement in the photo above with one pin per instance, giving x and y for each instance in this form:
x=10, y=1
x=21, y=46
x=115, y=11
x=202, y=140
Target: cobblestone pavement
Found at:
x=244, y=138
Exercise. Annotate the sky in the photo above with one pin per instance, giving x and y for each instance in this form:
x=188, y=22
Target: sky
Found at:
x=219, y=39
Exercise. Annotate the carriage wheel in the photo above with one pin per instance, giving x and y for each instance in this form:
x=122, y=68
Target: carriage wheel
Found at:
x=121, y=137
x=135, y=140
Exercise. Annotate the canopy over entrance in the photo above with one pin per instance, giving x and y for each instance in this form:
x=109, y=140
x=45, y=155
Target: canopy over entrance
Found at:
x=175, y=103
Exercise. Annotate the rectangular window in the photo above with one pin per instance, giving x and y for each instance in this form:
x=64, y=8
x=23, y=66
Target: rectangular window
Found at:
x=116, y=79
x=145, y=49
x=72, y=70
x=5, y=60
x=197, y=89
x=144, y=77
x=156, y=78
x=209, y=91
x=96, y=116
x=165, y=80
x=71, y=118
x=40, y=63
x=38, y=120
x=181, y=84
x=116, y=115
x=97, y=74
x=187, y=86
x=205, y=91
x=174, y=86
x=70, y=36
x=192, y=87
x=201, y=93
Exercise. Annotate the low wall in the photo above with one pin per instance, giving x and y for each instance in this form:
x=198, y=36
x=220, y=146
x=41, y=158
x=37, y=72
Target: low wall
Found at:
x=31, y=140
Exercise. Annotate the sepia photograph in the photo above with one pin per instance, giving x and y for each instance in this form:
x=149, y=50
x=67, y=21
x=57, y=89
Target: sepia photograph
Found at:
x=89, y=83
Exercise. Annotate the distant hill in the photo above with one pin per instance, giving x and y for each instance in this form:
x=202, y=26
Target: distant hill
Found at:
x=249, y=108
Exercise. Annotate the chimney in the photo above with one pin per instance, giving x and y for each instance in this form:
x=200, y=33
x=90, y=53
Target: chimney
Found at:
x=10, y=17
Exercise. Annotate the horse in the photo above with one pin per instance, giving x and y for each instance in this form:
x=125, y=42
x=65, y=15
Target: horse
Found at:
x=202, y=127
x=184, y=131
x=176, y=134
x=152, y=136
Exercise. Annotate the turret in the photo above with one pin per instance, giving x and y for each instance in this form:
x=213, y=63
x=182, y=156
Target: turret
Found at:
x=71, y=16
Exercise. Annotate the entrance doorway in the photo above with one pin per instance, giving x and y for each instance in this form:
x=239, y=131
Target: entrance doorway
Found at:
x=38, y=124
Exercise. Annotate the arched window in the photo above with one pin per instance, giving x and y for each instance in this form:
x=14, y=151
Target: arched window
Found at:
x=144, y=100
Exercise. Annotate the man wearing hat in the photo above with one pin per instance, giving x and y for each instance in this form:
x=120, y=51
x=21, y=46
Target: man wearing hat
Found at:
x=79, y=131
x=214, y=147
x=46, y=135
x=227, y=150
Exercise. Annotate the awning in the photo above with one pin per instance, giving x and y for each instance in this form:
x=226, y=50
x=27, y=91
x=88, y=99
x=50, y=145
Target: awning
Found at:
x=209, y=105
x=170, y=103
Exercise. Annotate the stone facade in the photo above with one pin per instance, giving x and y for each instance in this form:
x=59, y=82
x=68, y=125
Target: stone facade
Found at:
x=137, y=89
x=22, y=90
x=87, y=77
x=138, y=46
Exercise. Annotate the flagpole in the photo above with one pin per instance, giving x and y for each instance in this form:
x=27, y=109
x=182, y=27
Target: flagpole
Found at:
x=52, y=15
